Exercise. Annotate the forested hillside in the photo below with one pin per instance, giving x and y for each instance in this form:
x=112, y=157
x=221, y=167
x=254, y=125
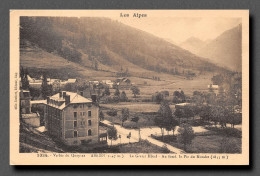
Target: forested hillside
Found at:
x=105, y=44
x=226, y=49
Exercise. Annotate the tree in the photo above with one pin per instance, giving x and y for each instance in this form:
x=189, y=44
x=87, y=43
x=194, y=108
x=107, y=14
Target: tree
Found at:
x=44, y=87
x=168, y=121
x=165, y=110
x=197, y=98
x=123, y=96
x=186, y=135
x=172, y=124
x=205, y=113
x=101, y=116
x=136, y=119
x=24, y=79
x=217, y=79
x=107, y=91
x=34, y=92
x=135, y=91
x=117, y=92
x=179, y=114
x=178, y=97
x=158, y=97
x=188, y=112
x=158, y=121
x=112, y=134
x=96, y=64
x=112, y=112
x=125, y=115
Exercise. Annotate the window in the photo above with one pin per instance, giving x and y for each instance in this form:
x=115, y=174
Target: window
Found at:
x=84, y=113
x=89, y=113
x=75, y=134
x=89, y=132
x=81, y=113
x=75, y=115
x=75, y=124
x=82, y=123
x=89, y=122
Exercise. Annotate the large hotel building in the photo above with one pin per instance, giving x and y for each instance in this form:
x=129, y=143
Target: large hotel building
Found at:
x=72, y=118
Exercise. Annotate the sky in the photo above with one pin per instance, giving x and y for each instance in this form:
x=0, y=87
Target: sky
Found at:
x=179, y=29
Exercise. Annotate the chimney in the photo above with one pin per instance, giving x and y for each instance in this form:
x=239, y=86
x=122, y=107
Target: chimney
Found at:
x=60, y=94
x=64, y=94
x=67, y=99
x=94, y=98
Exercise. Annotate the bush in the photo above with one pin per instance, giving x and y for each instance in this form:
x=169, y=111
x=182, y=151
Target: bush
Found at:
x=165, y=149
x=112, y=112
x=229, y=146
x=146, y=100
x=199, y=123
x=226, y=131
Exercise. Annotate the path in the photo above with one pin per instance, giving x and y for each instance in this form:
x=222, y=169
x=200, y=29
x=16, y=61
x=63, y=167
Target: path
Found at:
x=145, y=134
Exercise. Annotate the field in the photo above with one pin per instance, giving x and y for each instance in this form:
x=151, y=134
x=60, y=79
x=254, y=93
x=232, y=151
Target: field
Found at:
x=168, y=83
x=211, y=143
x=134, y=106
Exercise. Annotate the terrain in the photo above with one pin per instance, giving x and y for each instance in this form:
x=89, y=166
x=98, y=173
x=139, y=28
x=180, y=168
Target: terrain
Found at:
x=49, y=43
x=225, y=50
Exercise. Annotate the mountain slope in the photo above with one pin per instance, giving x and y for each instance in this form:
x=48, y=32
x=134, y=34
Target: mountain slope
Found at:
x=226, y=49
x=193, y=44
x=104, y=44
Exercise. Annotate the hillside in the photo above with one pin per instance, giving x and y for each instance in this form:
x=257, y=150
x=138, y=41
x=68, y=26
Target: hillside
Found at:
x=90, y=46
x=193, y=44
x=226, y=49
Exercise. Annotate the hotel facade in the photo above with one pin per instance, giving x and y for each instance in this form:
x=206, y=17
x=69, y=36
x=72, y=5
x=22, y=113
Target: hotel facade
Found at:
x=73, y=119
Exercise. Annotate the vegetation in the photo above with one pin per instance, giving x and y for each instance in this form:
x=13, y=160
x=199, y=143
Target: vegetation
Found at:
x=186, y=135
x=101, y=116
x=178, y=97
x=165, y=118
x=112, y=134
x=46, y=89
x=125, y=115
x=83, y=41
x=106, y=91
x=24, y=79
x=123, y=97
x=117, y=92
x=112, y=112
x=135, y=91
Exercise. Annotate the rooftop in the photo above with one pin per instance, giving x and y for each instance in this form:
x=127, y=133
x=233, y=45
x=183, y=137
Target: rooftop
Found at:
x=59, y=100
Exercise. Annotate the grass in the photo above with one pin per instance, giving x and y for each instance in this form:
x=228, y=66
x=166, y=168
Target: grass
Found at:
x=145, y=119
x=140, y=147
x=213, y=143
x=135, y=106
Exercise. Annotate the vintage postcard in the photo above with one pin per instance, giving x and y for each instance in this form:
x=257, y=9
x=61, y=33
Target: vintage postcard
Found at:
x=129, y=87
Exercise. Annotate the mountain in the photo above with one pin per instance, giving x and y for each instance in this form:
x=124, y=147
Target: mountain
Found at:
x=226, y=49
x=101, y=45
x=193, y=44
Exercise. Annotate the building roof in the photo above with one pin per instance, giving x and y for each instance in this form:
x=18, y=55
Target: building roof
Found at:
x=74, y=99
x=28, y=116
x=38, y=101
x=213, y=86
x=71, y=80
x=183, y=104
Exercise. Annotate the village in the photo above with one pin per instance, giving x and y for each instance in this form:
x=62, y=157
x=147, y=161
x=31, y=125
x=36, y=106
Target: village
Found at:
x=116, y=116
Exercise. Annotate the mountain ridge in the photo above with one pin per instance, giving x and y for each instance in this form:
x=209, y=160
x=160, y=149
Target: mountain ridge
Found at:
x=111, y=44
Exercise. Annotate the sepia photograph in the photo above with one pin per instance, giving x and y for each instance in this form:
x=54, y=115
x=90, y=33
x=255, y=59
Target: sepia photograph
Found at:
x=129, y=87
